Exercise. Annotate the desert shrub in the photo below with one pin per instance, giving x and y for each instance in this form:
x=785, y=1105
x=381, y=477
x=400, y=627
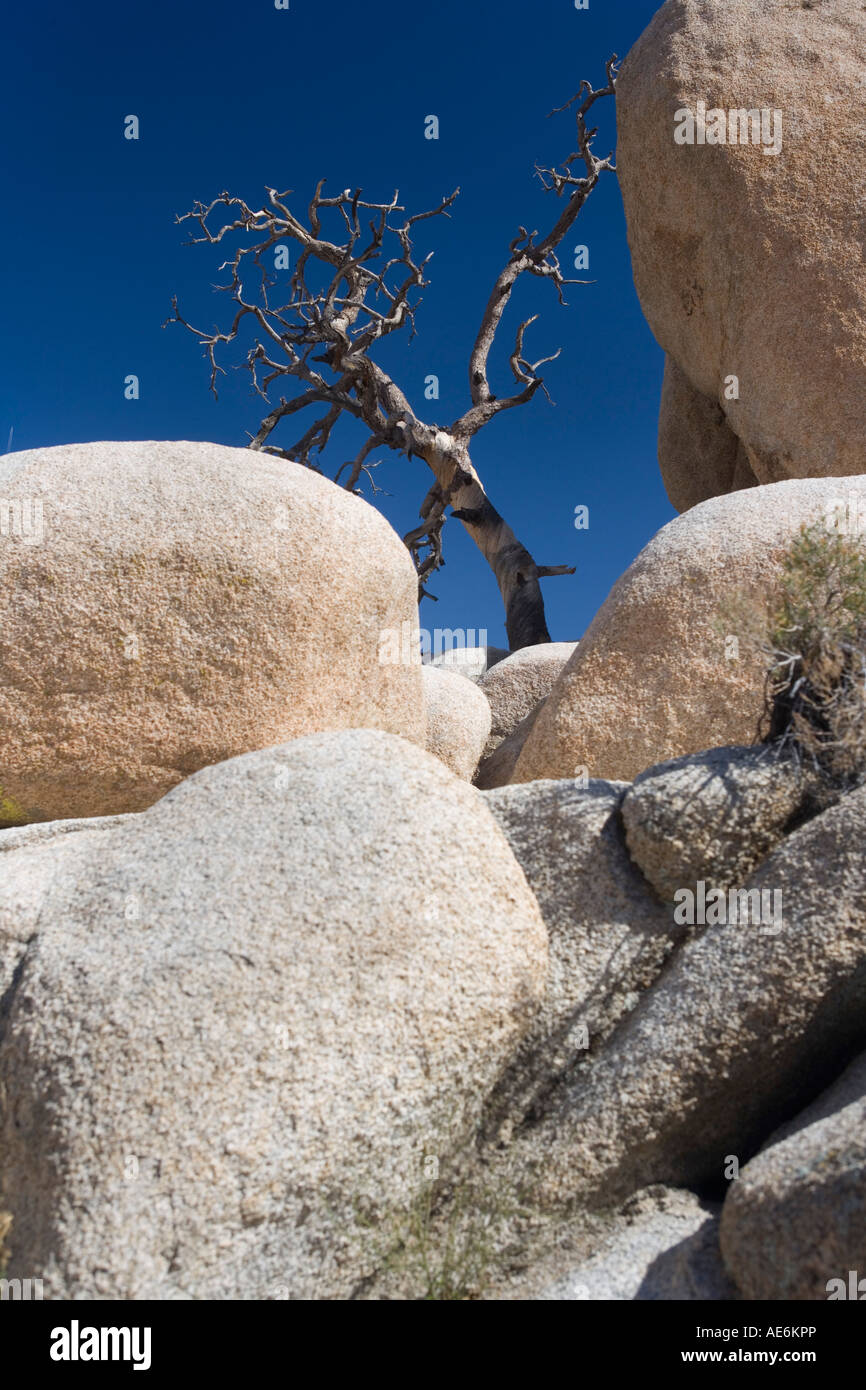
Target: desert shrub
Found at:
x=815, y=644
x=451, y=1258
x=454, y=1238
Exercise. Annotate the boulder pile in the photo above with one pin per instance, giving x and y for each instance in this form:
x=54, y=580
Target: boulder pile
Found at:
x=326, y=973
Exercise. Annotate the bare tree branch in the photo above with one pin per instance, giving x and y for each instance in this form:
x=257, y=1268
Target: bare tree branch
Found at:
x=347, y=294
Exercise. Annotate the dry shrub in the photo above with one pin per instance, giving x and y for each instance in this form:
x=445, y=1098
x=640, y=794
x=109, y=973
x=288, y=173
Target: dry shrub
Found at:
x=815, y=693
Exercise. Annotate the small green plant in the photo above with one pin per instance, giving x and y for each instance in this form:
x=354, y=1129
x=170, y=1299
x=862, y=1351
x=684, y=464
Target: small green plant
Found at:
x=815, y=694
x=448, y=1244
x=11, y=813
x=454, y=1255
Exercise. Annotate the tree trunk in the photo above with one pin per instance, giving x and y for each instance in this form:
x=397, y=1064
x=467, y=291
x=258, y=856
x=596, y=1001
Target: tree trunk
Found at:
x=517, y=574
x=515, y=570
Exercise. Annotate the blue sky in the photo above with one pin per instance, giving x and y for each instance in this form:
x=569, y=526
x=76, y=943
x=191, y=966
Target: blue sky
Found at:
x=238, y=96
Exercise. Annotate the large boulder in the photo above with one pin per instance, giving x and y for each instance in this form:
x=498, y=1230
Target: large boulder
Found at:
x=750, y=264
x=711, y=817
x=795, y=1218
x=515, y=686
x=181, y=603
x=658, y=673
x=748, y=1022
x=609, y=938
x=241, y=1021
x=458, y=719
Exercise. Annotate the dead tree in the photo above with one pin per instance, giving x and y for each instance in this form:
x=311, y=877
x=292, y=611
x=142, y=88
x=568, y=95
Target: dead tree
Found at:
x=345, y=296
